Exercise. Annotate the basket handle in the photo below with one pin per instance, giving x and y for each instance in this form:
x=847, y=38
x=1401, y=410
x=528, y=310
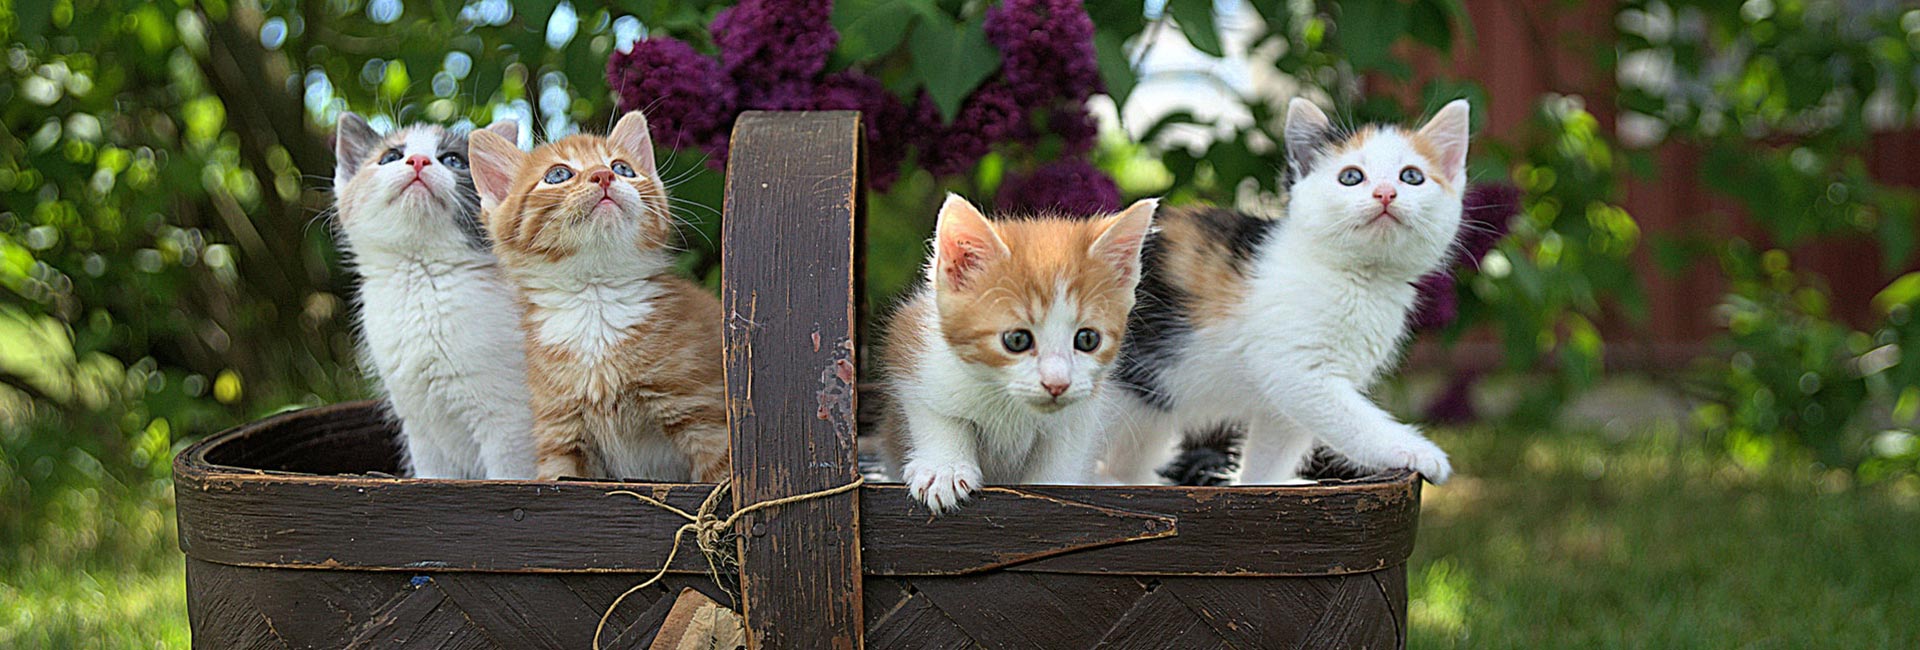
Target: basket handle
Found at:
x=791, y=255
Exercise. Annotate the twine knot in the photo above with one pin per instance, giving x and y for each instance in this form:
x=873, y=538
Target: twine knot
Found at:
x=710, y=533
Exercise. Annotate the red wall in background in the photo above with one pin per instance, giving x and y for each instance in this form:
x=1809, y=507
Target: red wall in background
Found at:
x=1522, y=49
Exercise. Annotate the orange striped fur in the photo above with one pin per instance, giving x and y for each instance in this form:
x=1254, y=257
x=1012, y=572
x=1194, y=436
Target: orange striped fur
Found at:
x=623, y=357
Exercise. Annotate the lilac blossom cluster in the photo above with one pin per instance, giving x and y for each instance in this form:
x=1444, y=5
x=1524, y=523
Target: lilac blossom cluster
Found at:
x=1067, y=186
x=773, y=56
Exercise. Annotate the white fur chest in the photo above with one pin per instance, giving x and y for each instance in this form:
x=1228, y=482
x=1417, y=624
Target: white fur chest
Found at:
x=1339, y=322
x=587, y=303
x=428, y=322
x=590, y=317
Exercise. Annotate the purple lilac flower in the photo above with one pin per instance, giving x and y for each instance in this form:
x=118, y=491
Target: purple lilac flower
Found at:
x=988, y=116
x=775, y=50
x=1048, y=60
x=1077, y=129
x=1046, y=47
x=1487, y=213
x=1071, y=186
x=1437, y=305
x=1454, y=405
x=688, y=102
x=1486, y=217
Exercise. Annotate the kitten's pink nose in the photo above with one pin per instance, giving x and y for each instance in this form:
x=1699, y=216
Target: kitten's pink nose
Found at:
x=1054, y=389
x=418, y=162
x=603, y=178
x=1385, y=193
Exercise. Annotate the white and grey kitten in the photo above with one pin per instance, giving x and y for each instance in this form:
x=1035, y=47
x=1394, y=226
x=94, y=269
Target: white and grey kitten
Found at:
x=1283, y=325
x=441, y=327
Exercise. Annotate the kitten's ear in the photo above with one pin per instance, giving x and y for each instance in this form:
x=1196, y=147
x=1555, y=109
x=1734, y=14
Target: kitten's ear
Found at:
x=508, y=130
x=494, y=162
x=963, y=244
x=630, y=135
x=1448, y=133
x=353, y=139
x=1119, y=244
x=1308, y=132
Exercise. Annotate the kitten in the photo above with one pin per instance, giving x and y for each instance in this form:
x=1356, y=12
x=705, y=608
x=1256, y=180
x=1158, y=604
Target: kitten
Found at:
x=440, y=324
x=623, y=357
x=996, y=368
x=1282, y=326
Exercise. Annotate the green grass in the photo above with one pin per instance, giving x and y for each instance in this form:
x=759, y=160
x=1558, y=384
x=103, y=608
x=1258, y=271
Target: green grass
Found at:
x=1564, y=540
x=1546, y=540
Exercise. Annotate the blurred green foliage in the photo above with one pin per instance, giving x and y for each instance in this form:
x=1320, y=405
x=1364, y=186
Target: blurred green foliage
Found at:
x=1784, y=100
x=167, y=267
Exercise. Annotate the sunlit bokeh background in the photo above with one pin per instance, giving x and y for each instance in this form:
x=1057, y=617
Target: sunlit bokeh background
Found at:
x=1681, y=391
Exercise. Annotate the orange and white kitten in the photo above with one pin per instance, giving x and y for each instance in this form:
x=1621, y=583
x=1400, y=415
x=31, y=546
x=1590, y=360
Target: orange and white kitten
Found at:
x=623, y=357
x=996, y=369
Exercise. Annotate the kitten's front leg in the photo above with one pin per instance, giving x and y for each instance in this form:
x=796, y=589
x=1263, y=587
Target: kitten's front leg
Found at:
x=943, y=465
x=506, y=449
x=1339, y=414
x=701, y=434
x=1066, y=456
x=1140, y=441
x=1281, y=446
x=560, y=439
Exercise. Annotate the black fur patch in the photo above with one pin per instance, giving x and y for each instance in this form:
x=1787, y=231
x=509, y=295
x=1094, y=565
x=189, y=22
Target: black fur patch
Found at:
x=1242, y=234
x=1208, y=458
x=1161, y=322
x=468, y=217
x=1156, y=330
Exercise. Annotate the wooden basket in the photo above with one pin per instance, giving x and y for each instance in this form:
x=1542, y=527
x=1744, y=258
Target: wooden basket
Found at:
x=294, y=540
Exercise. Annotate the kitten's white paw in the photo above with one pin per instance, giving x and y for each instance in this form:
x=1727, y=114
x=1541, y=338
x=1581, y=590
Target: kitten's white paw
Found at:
x=1421, y=455
x=942, y=486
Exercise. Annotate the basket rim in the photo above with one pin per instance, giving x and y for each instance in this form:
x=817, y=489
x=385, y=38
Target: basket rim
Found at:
x=296, y=520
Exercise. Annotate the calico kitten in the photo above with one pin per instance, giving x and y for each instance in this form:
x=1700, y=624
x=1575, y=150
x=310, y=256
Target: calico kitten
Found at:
x=623, y=357
x=996, y=369
x=440, y=324
x=1282, y=326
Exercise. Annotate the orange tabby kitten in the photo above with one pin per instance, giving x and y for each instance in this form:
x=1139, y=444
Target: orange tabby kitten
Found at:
x=623, y=357
x=998, y=367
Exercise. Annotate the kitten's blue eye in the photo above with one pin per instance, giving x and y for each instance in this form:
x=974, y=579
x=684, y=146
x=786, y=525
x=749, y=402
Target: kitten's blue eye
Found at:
x=559, y=174
x=1086, y=340
x=1412, y=176
x=1017, y=341
x=453, y=160
x=622, y=168
x=390, y=156
x=1352, y=176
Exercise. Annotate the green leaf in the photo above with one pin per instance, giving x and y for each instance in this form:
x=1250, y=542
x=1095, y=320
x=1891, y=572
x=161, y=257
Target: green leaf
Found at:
x=872, y=28
x=1275, y=14
x=1429, y=22
x=1196, y=21
x=954, y=59
x=1122, y=18
x=1367, y=28
x=1115, y=68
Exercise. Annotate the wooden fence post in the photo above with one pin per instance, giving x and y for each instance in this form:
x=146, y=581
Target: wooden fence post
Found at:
x=790, y=288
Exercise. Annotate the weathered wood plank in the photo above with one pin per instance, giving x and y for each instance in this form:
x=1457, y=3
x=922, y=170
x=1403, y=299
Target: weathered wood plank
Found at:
x=902, y=538
x=1241, y=531
x=273, y=521
x=788, y=285
x=1159, y=620
x=918, y=624
x=1014, y=610
x=253, y=518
